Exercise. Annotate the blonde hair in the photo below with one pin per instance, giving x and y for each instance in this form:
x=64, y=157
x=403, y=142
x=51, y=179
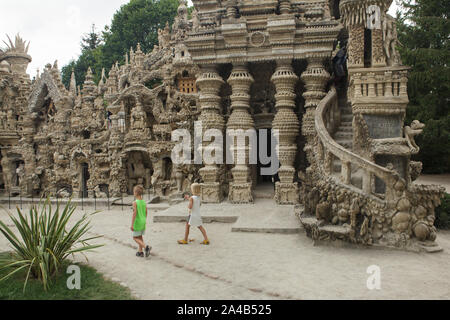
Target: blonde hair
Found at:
x=196, y=189
x=138, y=190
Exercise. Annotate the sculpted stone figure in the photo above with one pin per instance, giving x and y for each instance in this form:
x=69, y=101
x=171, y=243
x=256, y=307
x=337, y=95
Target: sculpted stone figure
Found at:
x=323, y=210
x=20, y=172
x=99, y=194
x=390, y=41
x=138, y=118
x=157, y=174
x=195, y=21
x=411, y=132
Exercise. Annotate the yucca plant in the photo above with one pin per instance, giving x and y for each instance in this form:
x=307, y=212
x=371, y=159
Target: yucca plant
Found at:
x=44, y=241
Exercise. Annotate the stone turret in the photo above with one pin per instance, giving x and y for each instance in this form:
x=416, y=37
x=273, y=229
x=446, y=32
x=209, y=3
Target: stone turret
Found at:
x=16, y=55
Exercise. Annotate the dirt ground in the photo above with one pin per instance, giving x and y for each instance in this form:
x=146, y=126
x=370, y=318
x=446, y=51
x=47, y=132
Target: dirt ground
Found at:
x=257, y=266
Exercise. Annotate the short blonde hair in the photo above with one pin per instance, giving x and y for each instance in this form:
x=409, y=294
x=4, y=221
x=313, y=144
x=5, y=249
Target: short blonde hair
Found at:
x=138, y=190
x=196, y=189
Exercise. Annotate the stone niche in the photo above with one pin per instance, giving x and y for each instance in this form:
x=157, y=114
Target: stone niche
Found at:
x=384, y=126
x=399, y=164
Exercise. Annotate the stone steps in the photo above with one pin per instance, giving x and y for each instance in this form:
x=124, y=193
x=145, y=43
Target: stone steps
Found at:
x=264, y=216
x=343, y=134
x=346, y=143
x=347, y=118
x=346, y=129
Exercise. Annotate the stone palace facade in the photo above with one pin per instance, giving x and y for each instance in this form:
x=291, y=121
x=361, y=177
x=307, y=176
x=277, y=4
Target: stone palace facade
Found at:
x=324, y=75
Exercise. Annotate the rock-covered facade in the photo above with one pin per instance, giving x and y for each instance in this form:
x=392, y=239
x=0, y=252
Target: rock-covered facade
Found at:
x=344, y=152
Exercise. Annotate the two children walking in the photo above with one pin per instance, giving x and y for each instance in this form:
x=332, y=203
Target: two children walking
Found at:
x=139, y=220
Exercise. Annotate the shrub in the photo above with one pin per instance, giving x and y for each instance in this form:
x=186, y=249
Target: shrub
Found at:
x=46, y=241
x=443, y=213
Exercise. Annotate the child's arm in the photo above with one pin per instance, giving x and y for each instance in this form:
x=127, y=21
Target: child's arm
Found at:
x=134, y=216
x=191, y=204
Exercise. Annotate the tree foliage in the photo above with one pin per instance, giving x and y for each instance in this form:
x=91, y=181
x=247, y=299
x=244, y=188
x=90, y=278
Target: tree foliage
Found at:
x=91, y=40
x=135, y=22
x=424, y=35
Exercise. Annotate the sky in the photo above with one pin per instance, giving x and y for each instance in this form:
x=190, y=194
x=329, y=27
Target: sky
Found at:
x=55, y=27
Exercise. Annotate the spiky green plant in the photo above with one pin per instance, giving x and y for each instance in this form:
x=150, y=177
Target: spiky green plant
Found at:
x=44, y=241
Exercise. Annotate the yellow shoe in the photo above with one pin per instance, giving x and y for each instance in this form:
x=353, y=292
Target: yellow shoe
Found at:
x=206, y=243
x=183, y=242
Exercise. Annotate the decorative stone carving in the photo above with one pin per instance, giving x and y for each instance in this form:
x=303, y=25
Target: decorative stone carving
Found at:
x=411, y=132
x=240, y=121
x=106, y=138
x=286, y=127
x=210, y=84
x=390, y=41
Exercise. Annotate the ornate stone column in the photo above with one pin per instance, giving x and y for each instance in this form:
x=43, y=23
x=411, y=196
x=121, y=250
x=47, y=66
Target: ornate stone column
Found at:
x=378, y=56
x=240, y=119
x=315, y=78
x=286, y=127
x=209, y=84
x=356, y=46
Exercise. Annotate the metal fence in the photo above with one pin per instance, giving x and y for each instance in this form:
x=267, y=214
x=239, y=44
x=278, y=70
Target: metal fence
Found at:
x=16, y=198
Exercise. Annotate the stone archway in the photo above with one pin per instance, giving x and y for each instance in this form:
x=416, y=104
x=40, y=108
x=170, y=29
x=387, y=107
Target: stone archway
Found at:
x=138, y=168
x=81, y=176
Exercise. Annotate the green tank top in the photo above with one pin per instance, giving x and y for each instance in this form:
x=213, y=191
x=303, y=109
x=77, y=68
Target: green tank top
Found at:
x=141, y=218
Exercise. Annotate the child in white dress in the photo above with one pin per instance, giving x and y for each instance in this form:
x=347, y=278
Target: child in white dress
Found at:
x=195, y=217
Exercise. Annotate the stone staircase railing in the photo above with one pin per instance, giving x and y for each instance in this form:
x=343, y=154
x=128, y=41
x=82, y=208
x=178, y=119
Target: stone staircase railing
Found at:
x=330, y=150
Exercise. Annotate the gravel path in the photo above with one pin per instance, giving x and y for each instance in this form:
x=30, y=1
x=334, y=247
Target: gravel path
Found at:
x=258, y=266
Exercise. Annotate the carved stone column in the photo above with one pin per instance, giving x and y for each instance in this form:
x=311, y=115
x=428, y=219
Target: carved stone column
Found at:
x=315, y=78
x=241, y=119
x=356, y=46
x=209, y=84
x=286, y=127
x=378, y=56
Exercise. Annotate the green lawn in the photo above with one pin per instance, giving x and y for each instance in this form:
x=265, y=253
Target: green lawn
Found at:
x=93, y=287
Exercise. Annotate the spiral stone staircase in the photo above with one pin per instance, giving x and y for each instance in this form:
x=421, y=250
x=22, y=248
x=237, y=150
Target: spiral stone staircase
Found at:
x=344, y=204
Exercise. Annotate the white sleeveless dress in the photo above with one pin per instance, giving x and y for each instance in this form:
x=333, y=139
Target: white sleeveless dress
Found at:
x=196, y=218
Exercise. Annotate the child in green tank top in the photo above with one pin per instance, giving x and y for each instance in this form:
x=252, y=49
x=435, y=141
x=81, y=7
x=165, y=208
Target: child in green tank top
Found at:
x=139, y=222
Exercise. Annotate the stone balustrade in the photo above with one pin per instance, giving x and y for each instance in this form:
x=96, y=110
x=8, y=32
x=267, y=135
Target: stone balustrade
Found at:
x=388, y=84
x=330, y=150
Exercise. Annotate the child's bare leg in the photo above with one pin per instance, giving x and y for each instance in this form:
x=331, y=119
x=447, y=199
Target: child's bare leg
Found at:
x=140, y=242
x=141, y=238
x=186, y=233
x=204, y=233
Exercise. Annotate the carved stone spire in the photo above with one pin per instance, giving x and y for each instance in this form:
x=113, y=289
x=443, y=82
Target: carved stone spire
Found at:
x=73, y=84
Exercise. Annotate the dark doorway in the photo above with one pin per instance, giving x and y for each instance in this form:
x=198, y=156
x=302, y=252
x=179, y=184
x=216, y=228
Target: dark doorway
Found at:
x=84, y=180
x=167, y=167
x=264, y=138
x=367, y=48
